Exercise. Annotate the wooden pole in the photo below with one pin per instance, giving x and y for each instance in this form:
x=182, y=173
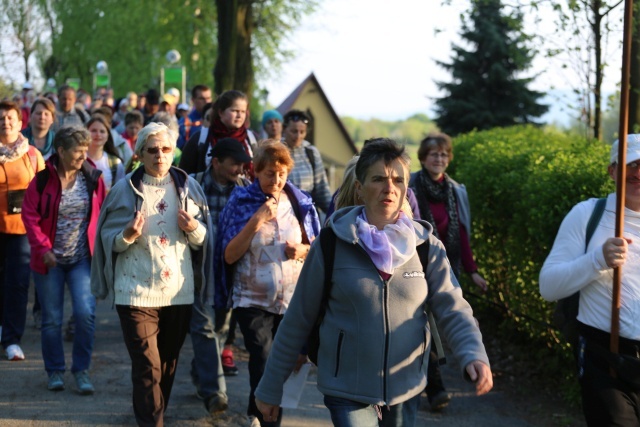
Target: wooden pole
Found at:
x=622, y=167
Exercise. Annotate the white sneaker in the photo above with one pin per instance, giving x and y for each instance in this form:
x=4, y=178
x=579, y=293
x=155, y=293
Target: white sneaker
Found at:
x=14, y=352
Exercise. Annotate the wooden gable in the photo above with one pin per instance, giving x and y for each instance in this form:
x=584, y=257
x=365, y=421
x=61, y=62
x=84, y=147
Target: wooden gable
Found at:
x=326, y=130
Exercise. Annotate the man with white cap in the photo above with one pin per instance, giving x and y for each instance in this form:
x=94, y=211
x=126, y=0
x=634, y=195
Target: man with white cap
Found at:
x=575, y=266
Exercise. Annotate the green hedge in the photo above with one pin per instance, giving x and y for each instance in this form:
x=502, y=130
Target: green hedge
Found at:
x=522, y=181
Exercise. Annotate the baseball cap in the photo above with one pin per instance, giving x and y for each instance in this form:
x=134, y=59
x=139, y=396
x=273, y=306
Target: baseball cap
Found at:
x=174, y=92
x=230, y=147
x=633, y=149
x=184, y=107
x=27, y=86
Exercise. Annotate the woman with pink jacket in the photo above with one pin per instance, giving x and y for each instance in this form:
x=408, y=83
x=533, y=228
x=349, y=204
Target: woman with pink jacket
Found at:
x=60, y=211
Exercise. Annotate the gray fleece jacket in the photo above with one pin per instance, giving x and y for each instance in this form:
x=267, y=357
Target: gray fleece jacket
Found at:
x=374, y=340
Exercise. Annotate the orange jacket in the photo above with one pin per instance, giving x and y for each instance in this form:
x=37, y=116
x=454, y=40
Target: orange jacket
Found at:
x=16, y=175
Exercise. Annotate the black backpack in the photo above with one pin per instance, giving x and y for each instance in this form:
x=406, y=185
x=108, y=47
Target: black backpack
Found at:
x=566, y=312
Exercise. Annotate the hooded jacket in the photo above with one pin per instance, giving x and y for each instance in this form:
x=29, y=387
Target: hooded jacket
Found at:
x=124, y=199
x=374, y=339
x=40, y=210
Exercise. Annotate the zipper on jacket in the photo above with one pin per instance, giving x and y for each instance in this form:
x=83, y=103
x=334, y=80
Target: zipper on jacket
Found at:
x=385, y=316
x=338, y=352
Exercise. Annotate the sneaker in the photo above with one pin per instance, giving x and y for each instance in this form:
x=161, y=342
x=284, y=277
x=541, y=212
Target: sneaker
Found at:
x=228, y=367
x=216, y=404
x=14, y=353
x=439, y=401
x=56, y=381
x=254, y=422
x=83, y=384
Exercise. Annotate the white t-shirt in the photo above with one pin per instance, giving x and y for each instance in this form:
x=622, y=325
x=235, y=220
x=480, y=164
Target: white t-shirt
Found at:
x=103, y=165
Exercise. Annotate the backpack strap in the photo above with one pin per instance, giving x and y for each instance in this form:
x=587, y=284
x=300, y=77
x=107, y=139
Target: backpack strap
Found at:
x=42, y=178
x=309, y=151
x=328, y=244
x=113, y=166
x=33, y=158
x=423, y=254
x=594, y=220
x=253, y=141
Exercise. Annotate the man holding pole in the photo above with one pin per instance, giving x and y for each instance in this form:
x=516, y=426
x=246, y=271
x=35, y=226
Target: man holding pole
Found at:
x=610, y=391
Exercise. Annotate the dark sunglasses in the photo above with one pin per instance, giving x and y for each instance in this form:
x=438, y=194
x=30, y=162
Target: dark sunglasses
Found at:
x=154, y=150
x=299, y=118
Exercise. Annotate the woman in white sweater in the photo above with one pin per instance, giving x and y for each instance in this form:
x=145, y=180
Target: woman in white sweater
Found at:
x=153, y=238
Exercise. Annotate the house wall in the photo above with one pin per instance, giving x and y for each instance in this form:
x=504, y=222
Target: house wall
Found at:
x=327, y=135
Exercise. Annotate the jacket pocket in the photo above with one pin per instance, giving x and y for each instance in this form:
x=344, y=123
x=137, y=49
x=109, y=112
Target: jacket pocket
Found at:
x=338, y=352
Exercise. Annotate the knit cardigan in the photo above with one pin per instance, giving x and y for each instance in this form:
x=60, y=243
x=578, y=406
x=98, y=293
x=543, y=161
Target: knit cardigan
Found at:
x=120, y=206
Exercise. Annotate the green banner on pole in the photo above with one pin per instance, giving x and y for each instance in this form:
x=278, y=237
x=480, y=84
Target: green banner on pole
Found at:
x=173, y=75
x=103, y=80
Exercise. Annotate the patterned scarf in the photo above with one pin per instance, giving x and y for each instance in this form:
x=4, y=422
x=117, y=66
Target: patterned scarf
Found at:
x=17, y=150
x=429, y=191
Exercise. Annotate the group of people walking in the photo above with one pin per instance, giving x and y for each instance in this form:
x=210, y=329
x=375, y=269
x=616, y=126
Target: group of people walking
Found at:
x=229, y=237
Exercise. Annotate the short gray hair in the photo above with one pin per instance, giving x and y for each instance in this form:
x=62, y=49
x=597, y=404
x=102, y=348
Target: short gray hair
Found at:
x=153, y=129
x=68, y=137
x=378, y=149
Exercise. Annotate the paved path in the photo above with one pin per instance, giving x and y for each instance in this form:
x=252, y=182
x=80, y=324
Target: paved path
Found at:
x=25, y=401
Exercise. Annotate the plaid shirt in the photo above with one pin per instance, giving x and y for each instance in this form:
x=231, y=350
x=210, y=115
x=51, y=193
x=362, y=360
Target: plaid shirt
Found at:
x=217, y=195
x=310, y=178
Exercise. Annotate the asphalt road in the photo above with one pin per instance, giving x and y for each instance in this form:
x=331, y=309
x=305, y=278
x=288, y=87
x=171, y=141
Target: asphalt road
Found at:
x=25, y=400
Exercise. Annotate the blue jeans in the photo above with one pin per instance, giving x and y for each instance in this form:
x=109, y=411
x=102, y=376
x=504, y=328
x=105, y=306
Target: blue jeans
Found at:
x=349, y=413
x=206, y=367
x=15, y=254
x=50, y=289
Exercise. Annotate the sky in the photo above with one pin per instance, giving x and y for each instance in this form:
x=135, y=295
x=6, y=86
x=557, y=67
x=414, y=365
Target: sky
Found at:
x=377, y=58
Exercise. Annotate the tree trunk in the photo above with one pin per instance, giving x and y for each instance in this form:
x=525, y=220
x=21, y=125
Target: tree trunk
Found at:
x=244, y=56
x=225, y=69
x=634, y=95
x=599, y=71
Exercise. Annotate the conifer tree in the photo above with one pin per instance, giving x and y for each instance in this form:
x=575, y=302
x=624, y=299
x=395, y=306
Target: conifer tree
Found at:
x=487, y=88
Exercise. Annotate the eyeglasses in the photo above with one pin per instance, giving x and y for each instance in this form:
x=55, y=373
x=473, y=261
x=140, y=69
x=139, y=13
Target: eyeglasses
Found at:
x=298, y=118
x=154, y=150
x=439, y=155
